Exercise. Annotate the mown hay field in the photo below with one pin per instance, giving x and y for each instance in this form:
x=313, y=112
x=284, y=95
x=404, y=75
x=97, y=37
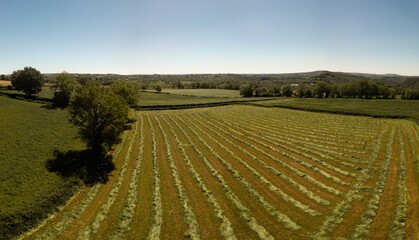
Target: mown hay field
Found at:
x=5, y=83
x=243, y=172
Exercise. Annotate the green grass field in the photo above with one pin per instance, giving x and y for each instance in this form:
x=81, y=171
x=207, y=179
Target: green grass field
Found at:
x=156, y=99
x=217, y=93
x=30, y=133
x=369, y=107
x=46, y=92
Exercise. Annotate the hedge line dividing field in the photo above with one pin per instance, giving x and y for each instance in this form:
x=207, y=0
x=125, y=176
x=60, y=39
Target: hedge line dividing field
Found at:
x=283, y=173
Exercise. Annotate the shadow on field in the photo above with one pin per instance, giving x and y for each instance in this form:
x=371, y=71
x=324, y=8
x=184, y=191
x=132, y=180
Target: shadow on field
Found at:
x=87, y=165
x=52, y=106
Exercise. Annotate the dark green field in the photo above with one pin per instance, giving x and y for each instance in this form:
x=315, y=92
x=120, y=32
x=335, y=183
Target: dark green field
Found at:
x=166, y=99
x=368, y=107
x=30, y=133
x=45, y=93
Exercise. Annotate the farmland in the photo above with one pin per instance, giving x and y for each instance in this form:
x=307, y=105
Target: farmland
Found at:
x=245, y=172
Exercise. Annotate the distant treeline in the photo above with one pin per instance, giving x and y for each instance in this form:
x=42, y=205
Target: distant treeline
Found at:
x=319, y=84
x=361, y=89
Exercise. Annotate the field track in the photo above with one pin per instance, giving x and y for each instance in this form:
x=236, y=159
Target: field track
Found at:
x=242, y=172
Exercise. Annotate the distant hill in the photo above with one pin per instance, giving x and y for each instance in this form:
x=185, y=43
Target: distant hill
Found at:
x=340, y=77
x=410, y=82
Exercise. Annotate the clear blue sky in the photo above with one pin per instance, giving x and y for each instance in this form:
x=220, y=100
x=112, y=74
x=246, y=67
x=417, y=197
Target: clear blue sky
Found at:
x=210, y=36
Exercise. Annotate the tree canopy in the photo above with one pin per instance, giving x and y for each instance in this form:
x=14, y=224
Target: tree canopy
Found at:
x=63, y=87
x=128, y=91
x=246, y=90
x=100, y=116
x=29, y=80
x=158, y=88
x=286, y=91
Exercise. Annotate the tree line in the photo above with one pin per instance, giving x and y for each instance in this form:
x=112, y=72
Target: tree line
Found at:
x=363, y=89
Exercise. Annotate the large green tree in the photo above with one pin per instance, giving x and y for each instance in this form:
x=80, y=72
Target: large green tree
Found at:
x=286, y=91
x=158, y=88
x=246, y=90
x=128, y=91
x=63, y=88
x=100, y=116
x=29, y=80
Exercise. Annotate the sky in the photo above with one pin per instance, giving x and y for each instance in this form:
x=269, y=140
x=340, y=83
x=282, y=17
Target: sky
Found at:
x=210, y=36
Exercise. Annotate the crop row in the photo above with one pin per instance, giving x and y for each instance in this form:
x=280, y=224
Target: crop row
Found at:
x=327, y=125
x=265, y=181
x=326, y=121
x=362, y=230
x=338, y=212
x=284, y=164
x=304, y=122
x=286, y=178
x=127, y=214
x=155, y=229
x=398, y=228
x=226, y=230
x=244, y=211
x=306, y=132
x=303, y=134
x=332, y=146
x=415, y=155
x=415, y=136
x=305, y=144
x=190, y=218
x=289, y=156
x=282, y=218
x=104, y=209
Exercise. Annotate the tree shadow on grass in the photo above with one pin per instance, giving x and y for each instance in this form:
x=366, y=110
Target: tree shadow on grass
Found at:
x=89, y=166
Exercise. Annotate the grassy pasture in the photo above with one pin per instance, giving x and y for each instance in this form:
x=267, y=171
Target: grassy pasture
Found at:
x=368, y=107
x=250, y=173
x=166, y=99
x=46, y=92
x=217, y=93
x=29, y=135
